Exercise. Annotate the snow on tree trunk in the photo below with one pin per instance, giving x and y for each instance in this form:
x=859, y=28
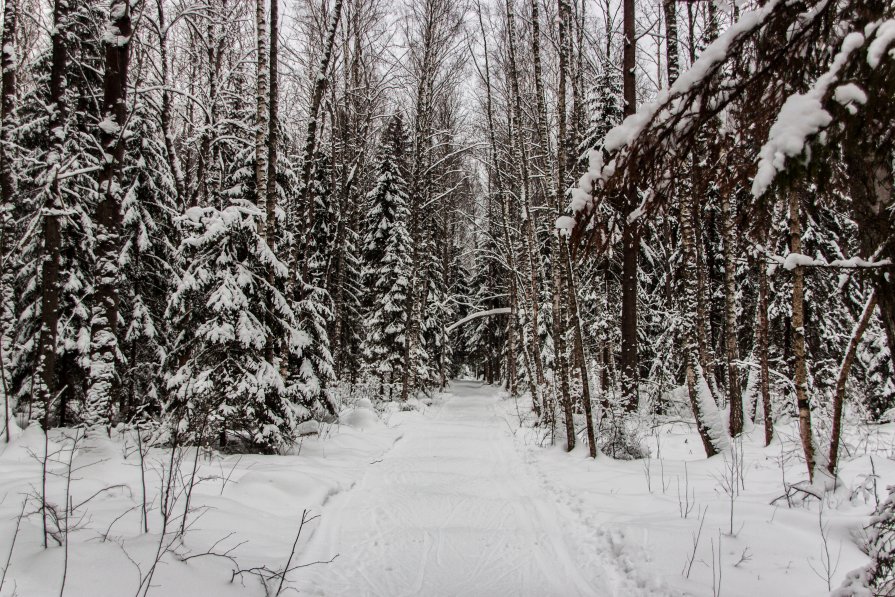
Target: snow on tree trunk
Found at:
x=734, y=395
x=53, y=206
x=800, y=365
x=709, y=421
x=630, y=227
x=105, y=353
x=262, y=116
x=8, y=65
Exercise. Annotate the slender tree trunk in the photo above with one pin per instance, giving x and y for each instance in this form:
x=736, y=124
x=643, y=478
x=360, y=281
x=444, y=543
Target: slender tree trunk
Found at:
x=800, y=366
x=268, y=194
x=262, y=115
x=673, y=62
x=705, y=410
x=580, y=356
x=559, y=327
x=605, y=347
x=734, y=394
x=498, y=180
x=630, y=230
x=52, y=207
x=421, y=188
x=529, y=240
x=8, y=66
x=104, y=374
x=541, y=116
x=578, y=126
x=7, y=190
x=762, y=348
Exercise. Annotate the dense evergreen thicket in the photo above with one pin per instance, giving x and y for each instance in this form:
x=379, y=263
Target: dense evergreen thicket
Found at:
x=227, y=246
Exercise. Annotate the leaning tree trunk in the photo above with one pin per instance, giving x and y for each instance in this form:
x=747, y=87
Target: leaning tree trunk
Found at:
x=580, y=356
x=104, y=378
x=872, y=197
x=845, y=367
x=705, y=410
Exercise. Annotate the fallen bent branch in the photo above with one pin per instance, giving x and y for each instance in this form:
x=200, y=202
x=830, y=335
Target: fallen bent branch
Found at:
x=477, y=315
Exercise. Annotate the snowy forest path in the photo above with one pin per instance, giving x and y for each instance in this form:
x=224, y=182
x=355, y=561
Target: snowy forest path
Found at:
x=452, y=509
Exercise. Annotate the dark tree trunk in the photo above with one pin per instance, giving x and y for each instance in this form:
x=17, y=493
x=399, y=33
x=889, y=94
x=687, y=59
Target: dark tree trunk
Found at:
x=629, y=360
x=800, y=366
x=104, y=374
x=270, y=190
x=762, y=349
x=53, y=206
x=7, y=188
x=7, y=109
x=262, y=115
x=873, y=198
x=630, y=230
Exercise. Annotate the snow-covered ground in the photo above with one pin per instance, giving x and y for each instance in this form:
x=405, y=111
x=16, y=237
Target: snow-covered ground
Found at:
x=453, y=509
x=460, y=498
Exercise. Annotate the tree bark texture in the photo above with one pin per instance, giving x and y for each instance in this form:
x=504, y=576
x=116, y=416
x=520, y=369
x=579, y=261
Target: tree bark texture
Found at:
x=104, y=374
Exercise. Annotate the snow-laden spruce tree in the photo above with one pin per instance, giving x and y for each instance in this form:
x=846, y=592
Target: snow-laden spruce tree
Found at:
x=311, y=368
x=347, y=330
x=604, y=107
x=462, y=296
x=235, y=326
x=880, y=382
x=54, y=278
x=149, y=244
x=322, y=223
x=477, y=335
x=437, y=360
x=333, y=263
x=599, y=320
x=386, y=260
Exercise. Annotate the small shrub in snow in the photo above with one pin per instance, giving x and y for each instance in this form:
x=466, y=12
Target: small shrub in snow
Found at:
x=878, y=577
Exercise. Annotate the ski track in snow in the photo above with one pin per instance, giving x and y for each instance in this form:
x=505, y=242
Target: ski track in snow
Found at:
x=453, y=509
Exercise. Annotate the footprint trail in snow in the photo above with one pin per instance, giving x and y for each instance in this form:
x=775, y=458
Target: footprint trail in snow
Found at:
x=452, y=509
